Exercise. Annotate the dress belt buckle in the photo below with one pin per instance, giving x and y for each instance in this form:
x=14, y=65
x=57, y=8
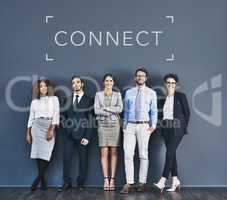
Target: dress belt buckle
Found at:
x=142, y=122
x=48, y=118
x=139, y=122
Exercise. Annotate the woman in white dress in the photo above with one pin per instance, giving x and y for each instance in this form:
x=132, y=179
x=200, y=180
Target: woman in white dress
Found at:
x=43, y=119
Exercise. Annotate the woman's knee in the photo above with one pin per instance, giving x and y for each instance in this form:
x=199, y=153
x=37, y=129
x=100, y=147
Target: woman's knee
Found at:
x=104, y=152
x=114, y=151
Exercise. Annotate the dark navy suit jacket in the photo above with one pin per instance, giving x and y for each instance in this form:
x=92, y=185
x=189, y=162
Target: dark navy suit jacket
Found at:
x=78, y=121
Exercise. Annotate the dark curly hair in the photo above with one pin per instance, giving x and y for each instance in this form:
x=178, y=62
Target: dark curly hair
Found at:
x=141, y=69
x=171, y=75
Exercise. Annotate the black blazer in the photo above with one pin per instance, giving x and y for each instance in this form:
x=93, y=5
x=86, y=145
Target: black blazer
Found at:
x=78, y=122
x=181, y=113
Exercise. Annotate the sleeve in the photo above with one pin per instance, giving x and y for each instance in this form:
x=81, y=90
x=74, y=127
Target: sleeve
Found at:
x=56, y=114
x=91, y=120
x=126, y=110
x=185, y=108
x=31, y=115
x=153, y=111
x=118, y=108
x=160, y=104
x=97, y=108
x=63, y=113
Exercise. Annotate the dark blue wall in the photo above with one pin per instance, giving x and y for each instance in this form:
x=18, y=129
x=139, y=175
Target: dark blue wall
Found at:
x=197, y=38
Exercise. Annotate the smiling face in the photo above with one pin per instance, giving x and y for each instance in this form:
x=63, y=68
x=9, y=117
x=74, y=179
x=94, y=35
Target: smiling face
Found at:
x=108, y=82
x=170, y=85
x=140, y=78
x=43, y=88
x=77, y=84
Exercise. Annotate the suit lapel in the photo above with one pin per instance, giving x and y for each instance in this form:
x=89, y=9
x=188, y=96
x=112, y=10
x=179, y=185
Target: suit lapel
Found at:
x=174, y=104
x=81, y=102
x=162, y=104
x=112, y=98
x=71, y=101
x=102, y=98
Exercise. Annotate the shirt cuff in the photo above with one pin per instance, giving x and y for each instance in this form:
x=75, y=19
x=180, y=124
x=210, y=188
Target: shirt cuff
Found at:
x=153, y=125
x=55, y=122
x=125, y=124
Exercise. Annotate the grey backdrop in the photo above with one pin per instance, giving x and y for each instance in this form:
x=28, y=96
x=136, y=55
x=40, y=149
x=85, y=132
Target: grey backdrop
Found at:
x=197, y=38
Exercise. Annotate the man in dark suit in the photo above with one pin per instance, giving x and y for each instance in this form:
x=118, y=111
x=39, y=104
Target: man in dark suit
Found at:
x=77, y=124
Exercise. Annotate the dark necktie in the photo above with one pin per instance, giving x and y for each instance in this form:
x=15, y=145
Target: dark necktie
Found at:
x=76, y=101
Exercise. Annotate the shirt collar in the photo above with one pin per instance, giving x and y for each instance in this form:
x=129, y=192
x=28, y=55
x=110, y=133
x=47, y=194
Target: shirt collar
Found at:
x=140, y=87
x=80, y=95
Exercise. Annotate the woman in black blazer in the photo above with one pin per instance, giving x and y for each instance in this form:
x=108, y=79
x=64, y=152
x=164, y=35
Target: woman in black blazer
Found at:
x=174, y=116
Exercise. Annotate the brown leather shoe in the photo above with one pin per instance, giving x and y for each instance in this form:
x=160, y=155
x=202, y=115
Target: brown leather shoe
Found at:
x=141, y=187
x=127, y=188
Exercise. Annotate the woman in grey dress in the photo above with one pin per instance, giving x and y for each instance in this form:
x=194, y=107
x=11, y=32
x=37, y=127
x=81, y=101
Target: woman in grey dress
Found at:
x=108, y=105
x=43, y=118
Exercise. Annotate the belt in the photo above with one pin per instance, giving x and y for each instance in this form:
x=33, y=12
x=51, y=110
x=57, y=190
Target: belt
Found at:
x=48, y=118
x=138, y=122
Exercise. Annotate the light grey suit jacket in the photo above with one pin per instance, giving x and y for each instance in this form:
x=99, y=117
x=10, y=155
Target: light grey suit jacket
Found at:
x=112, y=111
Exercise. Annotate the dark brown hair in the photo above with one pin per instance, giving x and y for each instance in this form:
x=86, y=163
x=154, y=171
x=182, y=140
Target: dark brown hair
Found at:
x=108, y=75
x=77, y=76
x=171, y=75
x=141, y=69
x=36, y=88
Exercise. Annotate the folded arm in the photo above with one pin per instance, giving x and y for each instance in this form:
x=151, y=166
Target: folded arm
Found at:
x=117, y=108
x=98, y=109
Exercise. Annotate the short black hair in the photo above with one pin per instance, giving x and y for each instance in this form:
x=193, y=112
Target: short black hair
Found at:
x=171, y=75
x=108, y=75
x=77, y=76
x=141, y=69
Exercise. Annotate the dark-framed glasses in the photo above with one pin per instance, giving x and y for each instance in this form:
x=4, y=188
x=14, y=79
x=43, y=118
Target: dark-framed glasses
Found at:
x=170, y=83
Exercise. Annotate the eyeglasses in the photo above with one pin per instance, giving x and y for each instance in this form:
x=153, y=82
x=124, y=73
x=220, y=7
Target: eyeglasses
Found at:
x=170, y=83
x=140, y=76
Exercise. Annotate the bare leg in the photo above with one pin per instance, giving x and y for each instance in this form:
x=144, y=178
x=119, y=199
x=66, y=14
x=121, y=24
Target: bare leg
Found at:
x=114, y=158
x=105, y=165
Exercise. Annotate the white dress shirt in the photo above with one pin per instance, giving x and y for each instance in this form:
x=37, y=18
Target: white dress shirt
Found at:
x=79, y=98
x=168, y=108
x=47, y=107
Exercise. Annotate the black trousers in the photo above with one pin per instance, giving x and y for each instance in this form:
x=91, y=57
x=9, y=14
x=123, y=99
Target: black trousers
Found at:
x=171, y=142
x=42, y=165
x=69, y=146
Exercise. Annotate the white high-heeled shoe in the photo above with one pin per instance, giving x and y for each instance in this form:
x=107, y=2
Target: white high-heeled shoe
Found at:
x=160, y=185
x=175, y=186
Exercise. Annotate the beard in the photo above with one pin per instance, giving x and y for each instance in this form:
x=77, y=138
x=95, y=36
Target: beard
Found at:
x=77, y=89
x=140, y=83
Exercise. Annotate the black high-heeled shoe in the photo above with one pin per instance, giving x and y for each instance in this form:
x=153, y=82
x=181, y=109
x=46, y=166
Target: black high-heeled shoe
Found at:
x=35, y=184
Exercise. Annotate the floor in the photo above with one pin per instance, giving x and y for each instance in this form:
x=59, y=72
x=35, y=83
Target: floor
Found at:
x=98, y=194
